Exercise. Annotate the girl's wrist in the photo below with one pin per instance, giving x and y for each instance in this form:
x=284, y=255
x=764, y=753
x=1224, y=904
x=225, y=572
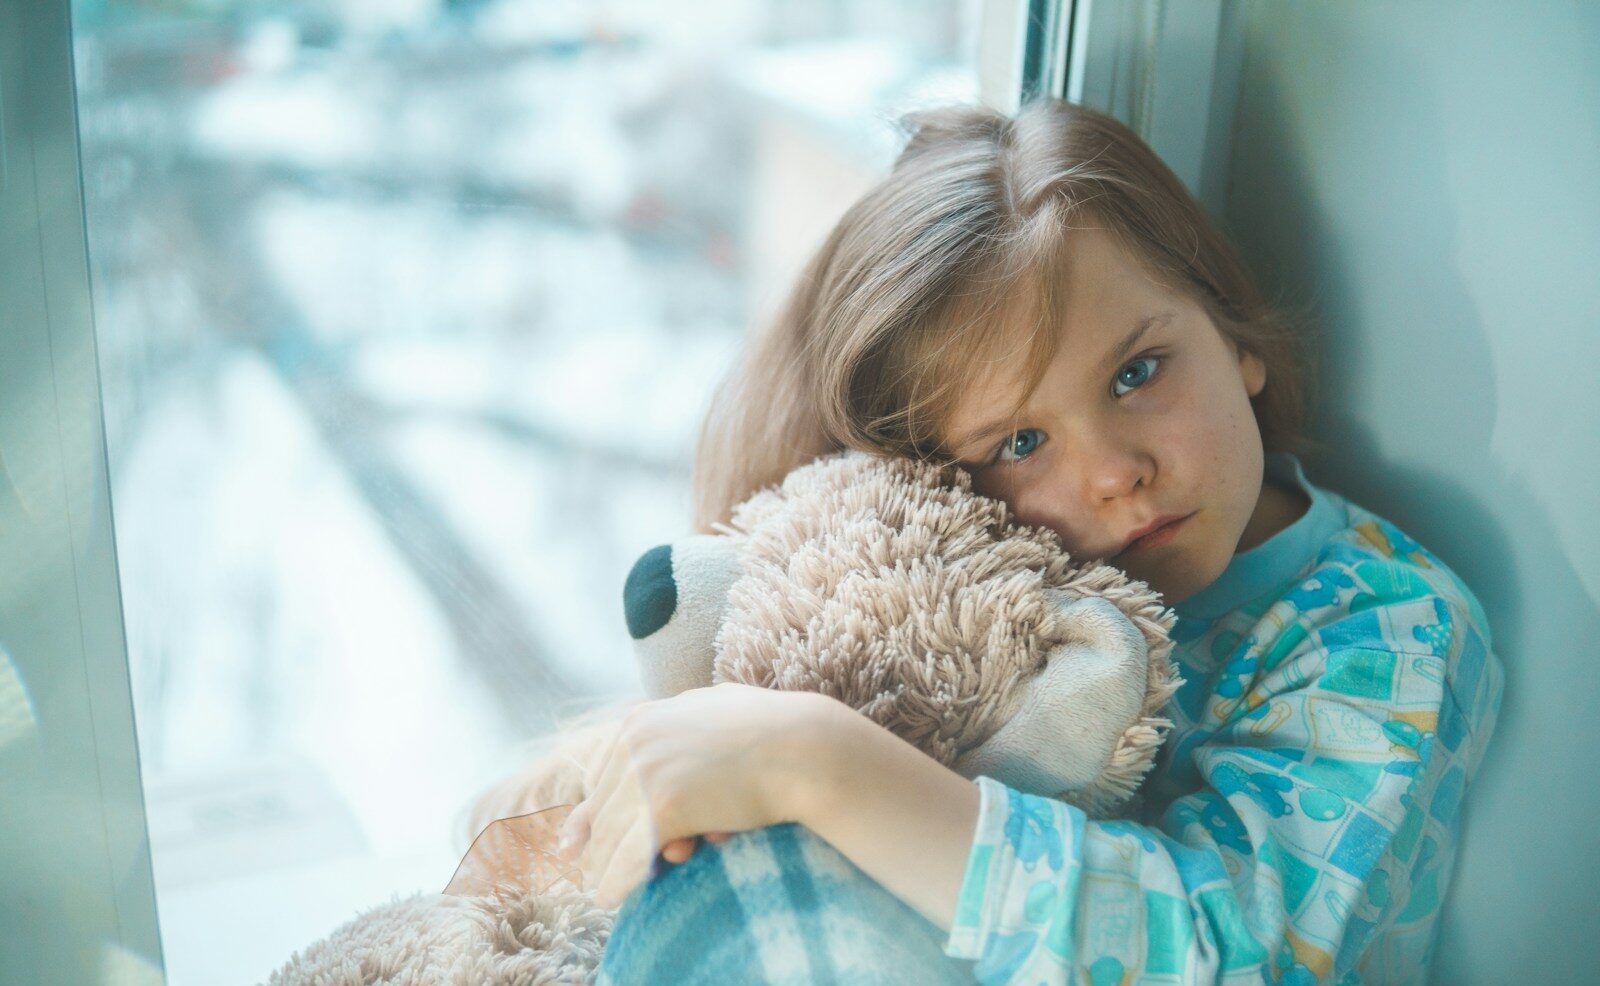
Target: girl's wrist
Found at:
x=803, y=772
x=906, y=820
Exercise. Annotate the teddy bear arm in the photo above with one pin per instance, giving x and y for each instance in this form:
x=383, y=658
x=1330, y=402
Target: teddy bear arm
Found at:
x=1070, y=716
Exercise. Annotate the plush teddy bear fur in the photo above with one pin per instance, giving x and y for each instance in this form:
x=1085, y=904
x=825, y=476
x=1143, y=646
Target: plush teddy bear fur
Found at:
x=554, y=938
x=886, y=583
x=890, y=585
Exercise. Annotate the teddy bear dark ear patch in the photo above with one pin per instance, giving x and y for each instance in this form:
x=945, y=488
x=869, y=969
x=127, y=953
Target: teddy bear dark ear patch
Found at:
x=650, y=595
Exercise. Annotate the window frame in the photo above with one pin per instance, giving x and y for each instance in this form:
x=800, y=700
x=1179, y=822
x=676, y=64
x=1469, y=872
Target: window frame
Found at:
x=76, y=844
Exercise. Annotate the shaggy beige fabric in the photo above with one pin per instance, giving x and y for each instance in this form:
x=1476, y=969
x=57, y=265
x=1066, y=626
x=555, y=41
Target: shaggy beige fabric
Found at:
x=893, y=587
x=886, y=583
x=553, y=939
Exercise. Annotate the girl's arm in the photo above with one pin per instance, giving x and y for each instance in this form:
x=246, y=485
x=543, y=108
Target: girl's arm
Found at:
x=905, y=819
x=1316, y=845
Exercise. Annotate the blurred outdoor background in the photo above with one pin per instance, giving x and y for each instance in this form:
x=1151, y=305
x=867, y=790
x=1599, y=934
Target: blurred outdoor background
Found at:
x=408, y=312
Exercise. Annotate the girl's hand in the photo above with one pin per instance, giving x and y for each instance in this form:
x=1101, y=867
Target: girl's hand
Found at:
x=679, y=850
x=715, y=760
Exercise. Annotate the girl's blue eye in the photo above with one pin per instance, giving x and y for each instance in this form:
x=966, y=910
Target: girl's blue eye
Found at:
x=1130, y=375
x=1011, y=444
x=1138, y=379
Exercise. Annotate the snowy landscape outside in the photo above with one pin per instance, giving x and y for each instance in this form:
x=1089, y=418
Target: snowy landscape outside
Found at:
x=407, y=316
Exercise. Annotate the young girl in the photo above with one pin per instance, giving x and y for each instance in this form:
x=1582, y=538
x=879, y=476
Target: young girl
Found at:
x=1038, y=298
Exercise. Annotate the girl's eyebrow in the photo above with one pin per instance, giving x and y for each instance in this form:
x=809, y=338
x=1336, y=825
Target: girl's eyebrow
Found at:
x=1123, y=348
x=1116, y=355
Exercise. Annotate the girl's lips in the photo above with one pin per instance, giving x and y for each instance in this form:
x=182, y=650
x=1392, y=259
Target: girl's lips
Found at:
x=1159, y=536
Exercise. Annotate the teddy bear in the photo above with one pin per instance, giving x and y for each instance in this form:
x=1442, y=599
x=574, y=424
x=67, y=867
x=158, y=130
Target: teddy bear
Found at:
x=887, y=583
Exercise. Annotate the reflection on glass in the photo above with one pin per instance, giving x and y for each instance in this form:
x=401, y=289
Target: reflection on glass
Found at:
x=19, y=723
x=407, y=313
x=516, y=856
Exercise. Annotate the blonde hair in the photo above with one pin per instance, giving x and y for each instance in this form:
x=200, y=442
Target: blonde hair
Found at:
x=874, y=344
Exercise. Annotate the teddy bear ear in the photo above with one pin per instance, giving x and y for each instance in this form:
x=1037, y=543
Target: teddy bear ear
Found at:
x=1067, y=718
x=674, y=600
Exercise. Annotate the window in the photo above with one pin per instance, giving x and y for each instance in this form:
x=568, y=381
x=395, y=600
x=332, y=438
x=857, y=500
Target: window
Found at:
x=407, y=314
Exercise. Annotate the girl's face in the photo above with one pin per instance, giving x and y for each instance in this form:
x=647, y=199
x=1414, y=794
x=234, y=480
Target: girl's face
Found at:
x=1144, y=413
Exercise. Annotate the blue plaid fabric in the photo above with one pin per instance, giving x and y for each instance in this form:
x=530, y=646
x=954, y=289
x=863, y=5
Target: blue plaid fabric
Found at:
x=775, y=905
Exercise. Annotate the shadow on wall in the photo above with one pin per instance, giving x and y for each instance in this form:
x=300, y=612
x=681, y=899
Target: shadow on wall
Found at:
x=1339, y=181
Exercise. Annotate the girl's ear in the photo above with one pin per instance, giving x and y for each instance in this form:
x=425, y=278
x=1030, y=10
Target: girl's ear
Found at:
x=1252, y=369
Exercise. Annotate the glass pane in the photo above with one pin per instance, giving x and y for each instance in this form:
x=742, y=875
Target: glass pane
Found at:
x=407, y=316
x=77, y=897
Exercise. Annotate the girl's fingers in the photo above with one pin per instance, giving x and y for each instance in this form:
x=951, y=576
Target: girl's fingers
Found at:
x=627, y=867
x=610, y=824
x=598, y=787
x=604, y=781
x=679, y=850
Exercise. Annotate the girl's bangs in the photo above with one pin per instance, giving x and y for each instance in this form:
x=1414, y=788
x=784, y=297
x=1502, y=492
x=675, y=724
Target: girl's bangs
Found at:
x=997, y=323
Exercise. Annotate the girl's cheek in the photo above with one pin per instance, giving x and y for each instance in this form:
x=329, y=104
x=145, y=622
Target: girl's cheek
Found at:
x=985, y=484
x=1003, y=482
x=1031, y=505
x=1031, y=490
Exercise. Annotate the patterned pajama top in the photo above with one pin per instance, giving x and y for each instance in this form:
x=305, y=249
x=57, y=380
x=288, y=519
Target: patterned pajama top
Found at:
x=1300, y=823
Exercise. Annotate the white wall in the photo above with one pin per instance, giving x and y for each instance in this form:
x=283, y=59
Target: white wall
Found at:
x=1428, y=174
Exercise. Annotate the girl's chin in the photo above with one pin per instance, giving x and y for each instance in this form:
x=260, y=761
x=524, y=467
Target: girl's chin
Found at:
x=1155, y=580
x=1174, y=581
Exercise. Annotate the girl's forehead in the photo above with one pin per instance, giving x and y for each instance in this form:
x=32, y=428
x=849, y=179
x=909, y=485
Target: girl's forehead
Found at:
x=990, y=384
x=999, y=373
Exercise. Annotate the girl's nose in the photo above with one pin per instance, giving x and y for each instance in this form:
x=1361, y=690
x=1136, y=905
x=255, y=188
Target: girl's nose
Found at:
x=1113, y=467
